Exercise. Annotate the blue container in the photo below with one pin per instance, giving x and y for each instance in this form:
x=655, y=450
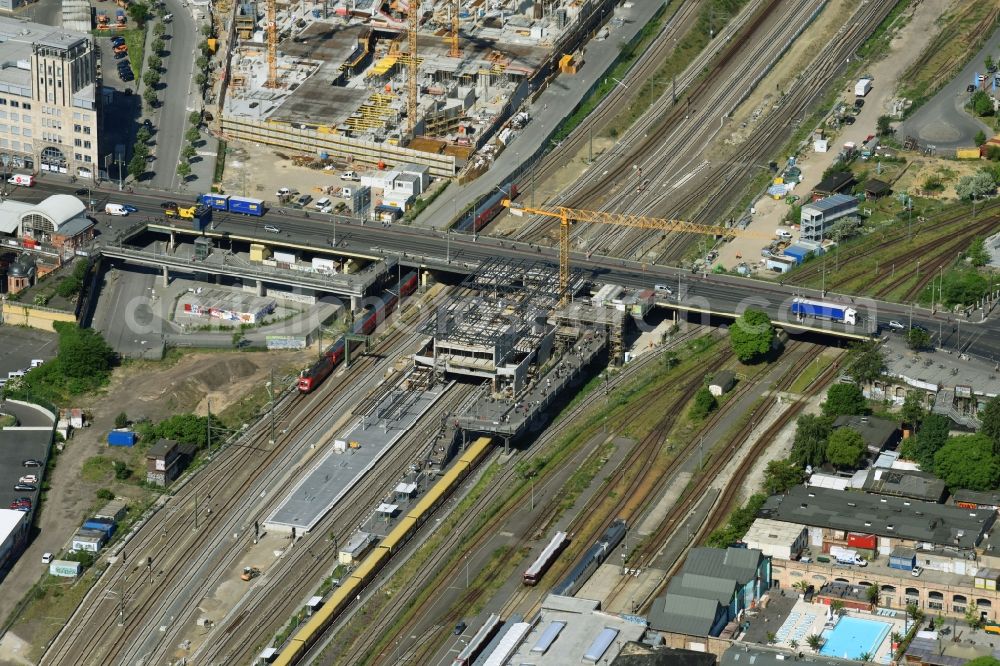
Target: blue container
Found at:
x=202, y=218
x=246, y=206
x=102, y=524
x=216, y=201
x=121, y=438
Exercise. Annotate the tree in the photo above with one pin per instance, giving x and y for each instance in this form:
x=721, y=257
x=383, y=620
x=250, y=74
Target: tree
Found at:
x=121, y=420
x=913, y=610
x=772, y=638
x=975, y=185
x=845, y=448
x=983, y=661
x=872, y=594
x=188, y=151
x=151, y=78
x=978, y=255
x=811, y=435
x=122, y=472
x=157, y=46
x=866, y=656
x=884, y=125
x=802, y=586
x=83, y=353
x=143, y=136
x=704, y=402
x=989, y=422
x=184, y=170
x=159, y=29
x=206, y=30
x=844, y=400
x=814, y=641
x=192, y=134
x=200, y=79
x=670, y=360
x=137, y=166
x=963, y=287
x=934, y=429
x=989, y=62
x=913, y=409
x=149, y=97
x=980, y=138
x=867, y=363
x=195, y=118
x=972, y=617
x=154, y=62
x=105, y=495
x=781, y=475
x=794, y=644
x=205, y=49
x=201, y=62
x=138, y=12
x=751, y=335
x=918, y=339
x=981, y=103
x=968, y=462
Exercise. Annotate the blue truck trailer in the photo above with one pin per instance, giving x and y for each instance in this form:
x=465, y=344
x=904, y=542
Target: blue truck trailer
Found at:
x=807, y=307
x=215, y=201
x=246, y=206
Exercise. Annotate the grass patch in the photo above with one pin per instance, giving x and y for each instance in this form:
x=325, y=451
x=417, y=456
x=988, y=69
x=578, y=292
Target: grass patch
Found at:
x=7, y=420
x=220, y=164
x=809, y=375
x=424, y=202
x=52, y=601
x=135, y=39
x=97, y=469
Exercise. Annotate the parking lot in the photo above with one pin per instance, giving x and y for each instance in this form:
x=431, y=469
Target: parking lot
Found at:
x=22, y=345
x=16, y=446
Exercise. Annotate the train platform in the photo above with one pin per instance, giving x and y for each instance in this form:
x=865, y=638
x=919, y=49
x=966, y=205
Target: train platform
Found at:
x=509, y=418
x=351, y=454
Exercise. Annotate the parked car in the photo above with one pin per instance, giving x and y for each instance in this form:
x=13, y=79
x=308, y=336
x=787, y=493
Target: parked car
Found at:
x=168, y=205
x=970, y=88
x=916, y=571
x=25, y=488
x=28, y=478
x=859, y=102
x=896, y=326
x=31, y=462
x=121, y=54
x=460, y=628
x=303, y=200
x=46, y=558
x=131, y=209
x=270, y=228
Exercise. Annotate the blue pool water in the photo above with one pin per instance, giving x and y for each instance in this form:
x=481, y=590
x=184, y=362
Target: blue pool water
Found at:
x=854, y=636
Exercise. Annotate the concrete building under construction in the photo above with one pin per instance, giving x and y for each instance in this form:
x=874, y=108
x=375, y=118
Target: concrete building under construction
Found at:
x=336, y=82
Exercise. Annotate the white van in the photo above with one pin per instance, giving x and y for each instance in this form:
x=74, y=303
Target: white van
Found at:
x=22, y=179
x=663, y=289
x=15, y=373
x=322, y=203
x=115, y=209
x=782, y=234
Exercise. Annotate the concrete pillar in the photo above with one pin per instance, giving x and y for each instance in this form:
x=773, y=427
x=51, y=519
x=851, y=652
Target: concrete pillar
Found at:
x=355, y=303
x=166, y=277
x=173, y=241
x=218, y=278
x=260, y=288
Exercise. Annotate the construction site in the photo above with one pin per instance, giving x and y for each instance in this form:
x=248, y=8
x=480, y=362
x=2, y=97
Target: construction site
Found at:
x=373, y=84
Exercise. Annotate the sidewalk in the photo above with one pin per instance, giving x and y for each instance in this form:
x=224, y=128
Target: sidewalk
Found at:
x=561, y=96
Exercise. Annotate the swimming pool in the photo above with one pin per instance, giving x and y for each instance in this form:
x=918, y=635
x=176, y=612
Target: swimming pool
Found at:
x=853, y=636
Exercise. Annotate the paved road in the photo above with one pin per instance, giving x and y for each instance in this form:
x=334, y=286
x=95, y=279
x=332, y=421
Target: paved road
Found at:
x=561, y=97
x=178, y=94
x=943, y=121
x=423, y=247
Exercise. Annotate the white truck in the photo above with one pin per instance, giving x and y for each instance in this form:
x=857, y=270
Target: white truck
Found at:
x=116, y=209
x=21, y=180
x=862, y=87
x=847, y=556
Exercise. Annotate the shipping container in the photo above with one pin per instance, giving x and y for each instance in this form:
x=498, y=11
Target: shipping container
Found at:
x=284, y=257
x=202, y=217
x=903, y=559
x=216, y=201
x=121, y=438
x=862, y=87
x=65, y=568
x=102, y=524
x=246, y=206
x=865, y=541
x=259, y=252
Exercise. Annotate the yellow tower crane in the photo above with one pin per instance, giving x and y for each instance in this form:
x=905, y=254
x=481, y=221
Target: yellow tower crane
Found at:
x=411, y=97
x=567, y=216
x=454, y=51
x=272, y=45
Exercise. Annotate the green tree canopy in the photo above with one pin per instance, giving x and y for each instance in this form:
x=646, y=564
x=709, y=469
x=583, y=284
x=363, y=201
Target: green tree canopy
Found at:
x=183, y=170
x=934, y=430
x=968, y=462
x=884, y=125
x=183, y=428
x=811, y=435
x=751, y=335
x=983, y=661
x=989, y=419
x=780, y=475
x=918, y=339
x=138, y=12
x=704, y=402
x=844, y=400
x=978, y=255
x=976, y=185
x=913, y=409
x=137, y=166
x=845, y=448
x=963, y=287
x=867, y=363
x=83, y=353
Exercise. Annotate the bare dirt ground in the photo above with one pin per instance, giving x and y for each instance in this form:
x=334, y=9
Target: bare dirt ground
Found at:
x=948, y=171
x=144, y=389
x=259, y=171
x=907, y=45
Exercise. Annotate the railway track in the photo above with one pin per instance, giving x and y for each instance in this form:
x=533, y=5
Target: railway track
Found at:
x=432, y=569
x=229, y=486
